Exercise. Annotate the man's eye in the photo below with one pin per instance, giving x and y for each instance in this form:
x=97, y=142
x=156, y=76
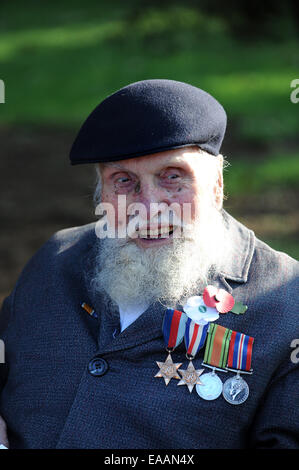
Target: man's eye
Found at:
x=171, y=178
x=123, y=179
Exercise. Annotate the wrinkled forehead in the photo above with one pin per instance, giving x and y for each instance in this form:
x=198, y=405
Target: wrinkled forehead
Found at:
x=154, y=162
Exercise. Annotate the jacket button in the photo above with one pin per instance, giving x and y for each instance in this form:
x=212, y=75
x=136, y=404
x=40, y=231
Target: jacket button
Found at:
x=98, y=366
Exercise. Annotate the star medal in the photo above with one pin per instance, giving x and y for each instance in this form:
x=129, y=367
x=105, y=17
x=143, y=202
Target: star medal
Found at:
x=195, y=336
x=173, y=332
x=215, y=358
x=168, y=369
x=190, y=376
x=235, y=389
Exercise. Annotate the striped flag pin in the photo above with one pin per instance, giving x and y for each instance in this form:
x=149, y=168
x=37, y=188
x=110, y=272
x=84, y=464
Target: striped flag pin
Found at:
x=89, y=310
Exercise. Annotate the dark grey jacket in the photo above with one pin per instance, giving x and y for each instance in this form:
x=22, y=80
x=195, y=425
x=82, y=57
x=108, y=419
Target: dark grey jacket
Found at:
x=49, y=398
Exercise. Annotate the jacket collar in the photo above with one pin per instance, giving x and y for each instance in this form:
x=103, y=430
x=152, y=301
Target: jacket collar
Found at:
x=241, y=246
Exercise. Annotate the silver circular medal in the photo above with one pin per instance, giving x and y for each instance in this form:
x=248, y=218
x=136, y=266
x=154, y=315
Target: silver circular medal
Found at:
x=211, y=387
x=235, y=390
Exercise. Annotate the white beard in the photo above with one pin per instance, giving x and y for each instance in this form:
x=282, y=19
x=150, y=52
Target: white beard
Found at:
x=170, y=274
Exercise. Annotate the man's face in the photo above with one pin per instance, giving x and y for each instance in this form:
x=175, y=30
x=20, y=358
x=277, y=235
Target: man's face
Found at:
x=147, y=268
x=174, y=176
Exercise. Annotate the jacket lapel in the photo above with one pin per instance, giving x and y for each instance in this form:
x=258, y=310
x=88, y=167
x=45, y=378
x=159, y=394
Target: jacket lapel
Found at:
x=241, y=246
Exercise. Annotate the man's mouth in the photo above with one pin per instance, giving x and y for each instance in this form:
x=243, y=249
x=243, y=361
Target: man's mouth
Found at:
x=156, y=233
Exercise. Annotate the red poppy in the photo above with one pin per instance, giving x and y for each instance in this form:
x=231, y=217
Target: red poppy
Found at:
x=218, y=298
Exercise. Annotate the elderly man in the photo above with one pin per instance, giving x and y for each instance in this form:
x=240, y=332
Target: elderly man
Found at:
x=108, y=319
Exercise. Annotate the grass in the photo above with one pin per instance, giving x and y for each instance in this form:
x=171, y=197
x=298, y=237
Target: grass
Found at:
x=249, y=175
x=289, y=246
x=59, y=62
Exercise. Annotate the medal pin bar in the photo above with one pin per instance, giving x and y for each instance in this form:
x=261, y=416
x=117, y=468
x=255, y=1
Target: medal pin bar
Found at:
x=173, y=329
x=215, y=358
x=235, y=389
x=195, y=336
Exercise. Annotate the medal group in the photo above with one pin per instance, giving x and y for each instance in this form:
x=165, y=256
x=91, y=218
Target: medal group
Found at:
x=225, y=349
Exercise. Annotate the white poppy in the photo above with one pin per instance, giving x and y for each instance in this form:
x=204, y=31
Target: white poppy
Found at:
x=196, y=309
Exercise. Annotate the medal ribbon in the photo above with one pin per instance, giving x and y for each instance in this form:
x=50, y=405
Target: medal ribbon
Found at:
x=195, y=336
x=216, y=351
x=173, y=328
x=240, y=351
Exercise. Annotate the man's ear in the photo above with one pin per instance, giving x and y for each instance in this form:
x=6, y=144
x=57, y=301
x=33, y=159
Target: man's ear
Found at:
x=218, y=188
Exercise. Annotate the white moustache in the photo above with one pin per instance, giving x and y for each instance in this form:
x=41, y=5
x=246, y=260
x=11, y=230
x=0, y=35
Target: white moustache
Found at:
x=162, y=225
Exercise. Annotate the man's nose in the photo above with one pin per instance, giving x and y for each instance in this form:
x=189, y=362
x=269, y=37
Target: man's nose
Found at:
x=149, y=194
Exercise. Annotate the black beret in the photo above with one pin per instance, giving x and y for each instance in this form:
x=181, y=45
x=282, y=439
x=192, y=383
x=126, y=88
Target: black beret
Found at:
x=149, y=117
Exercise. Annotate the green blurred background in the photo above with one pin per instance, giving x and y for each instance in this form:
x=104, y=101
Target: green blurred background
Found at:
x=59, y=59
